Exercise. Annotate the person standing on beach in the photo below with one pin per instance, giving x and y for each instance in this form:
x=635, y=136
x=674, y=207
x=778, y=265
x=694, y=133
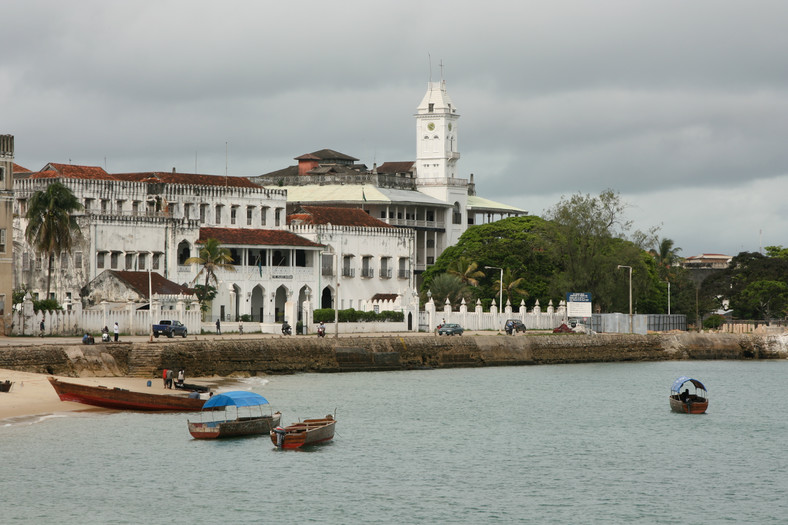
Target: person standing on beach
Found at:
x=169, y=378
x=181, y=376
x=117, y=331
x=164, y=377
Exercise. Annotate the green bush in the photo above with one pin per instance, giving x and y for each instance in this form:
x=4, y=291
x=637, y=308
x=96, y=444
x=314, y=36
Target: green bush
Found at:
x=713, y=322
x=47, y=305
x=326, y=315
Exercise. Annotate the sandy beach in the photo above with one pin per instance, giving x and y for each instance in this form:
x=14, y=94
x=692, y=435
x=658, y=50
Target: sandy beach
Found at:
x=32, y=396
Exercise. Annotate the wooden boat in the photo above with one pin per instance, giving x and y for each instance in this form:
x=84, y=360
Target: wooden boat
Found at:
x=307, y=432
x=686, y=402
x=249, y=417
x=122, y=399
x=5, y=386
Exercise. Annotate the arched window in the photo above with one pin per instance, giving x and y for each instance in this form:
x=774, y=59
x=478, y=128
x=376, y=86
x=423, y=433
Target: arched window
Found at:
x=457, y=214
x=184, y=252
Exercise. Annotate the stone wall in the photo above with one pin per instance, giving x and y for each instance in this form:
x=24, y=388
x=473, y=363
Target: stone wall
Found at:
x=251, y=357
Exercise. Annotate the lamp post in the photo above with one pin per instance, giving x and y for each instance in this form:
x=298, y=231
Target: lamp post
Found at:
x=668, y=297
x=630, y=294
x=500, y=296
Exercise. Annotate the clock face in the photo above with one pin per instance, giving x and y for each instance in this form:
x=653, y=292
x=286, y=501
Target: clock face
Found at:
x=431, y=126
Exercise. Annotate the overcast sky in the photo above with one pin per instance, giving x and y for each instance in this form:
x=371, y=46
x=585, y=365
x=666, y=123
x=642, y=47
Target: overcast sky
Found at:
x=680, y=106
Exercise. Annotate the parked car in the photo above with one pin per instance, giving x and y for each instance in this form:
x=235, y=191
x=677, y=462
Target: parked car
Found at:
x=169, y=328
x=450, y=329
x=514, y=325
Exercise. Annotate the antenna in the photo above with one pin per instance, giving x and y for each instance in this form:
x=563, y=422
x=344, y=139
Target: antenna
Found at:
x=429, y=59
x=225, y=164
x=441, y=66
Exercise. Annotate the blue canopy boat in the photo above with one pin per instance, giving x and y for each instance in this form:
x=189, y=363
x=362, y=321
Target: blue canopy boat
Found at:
x=250, y=418
x=686, y=402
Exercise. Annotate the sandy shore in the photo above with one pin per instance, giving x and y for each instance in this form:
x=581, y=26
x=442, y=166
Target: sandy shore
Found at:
x=32, y=396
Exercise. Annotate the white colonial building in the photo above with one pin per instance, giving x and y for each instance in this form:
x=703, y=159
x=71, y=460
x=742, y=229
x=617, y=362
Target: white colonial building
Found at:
x=356, y=238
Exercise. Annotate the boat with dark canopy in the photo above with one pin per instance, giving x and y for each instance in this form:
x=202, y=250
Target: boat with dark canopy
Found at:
x=687, y=402
x=250, y=417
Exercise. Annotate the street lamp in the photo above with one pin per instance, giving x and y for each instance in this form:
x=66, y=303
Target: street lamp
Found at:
x=668, y=297
x=500, y=297
x=630, y=294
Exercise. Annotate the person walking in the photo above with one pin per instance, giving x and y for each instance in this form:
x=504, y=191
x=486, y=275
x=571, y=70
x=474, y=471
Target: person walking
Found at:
x=218, y=327
x=117, y=331
x=169, y=378
x=41, y=327
x=164, y=377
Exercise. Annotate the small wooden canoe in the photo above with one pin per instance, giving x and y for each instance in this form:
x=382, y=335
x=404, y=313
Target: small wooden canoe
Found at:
x=686, y=402
x=307, y=432
x=122, y=399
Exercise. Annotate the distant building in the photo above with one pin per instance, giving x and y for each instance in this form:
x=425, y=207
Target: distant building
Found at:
x=705, y=264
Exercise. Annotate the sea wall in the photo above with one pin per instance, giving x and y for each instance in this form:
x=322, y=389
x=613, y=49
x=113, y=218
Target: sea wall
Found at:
x=255, y=356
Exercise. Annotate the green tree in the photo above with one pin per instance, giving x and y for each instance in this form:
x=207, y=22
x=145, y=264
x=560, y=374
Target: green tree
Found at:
x=212, y=257
x=525, y=245
x=467, y=270
x=205, y=294
x=777, y=251
x=749, y=284
x=52, y=226
x=512, y=286
x=448, y=286
x=665, y=253
x=765, y=298
x=593, y=244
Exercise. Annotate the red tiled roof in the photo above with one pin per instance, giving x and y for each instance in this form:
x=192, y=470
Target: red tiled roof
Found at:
x=396, y=167
x=325, y=154
x=336, y=216
x=251, y=237
x=158, y=284
x=19, y=169
x=187, y=178
x=71, y=171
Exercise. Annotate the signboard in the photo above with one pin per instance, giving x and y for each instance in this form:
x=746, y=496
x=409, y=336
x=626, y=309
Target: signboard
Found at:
x=578, y=304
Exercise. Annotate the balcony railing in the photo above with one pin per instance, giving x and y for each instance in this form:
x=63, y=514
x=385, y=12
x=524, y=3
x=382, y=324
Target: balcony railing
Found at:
x=403, y=274
x=348, y=272
x=385, y=273
x=367, y=272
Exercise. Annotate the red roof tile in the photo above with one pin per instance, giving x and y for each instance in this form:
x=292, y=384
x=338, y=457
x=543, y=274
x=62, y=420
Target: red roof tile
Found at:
x=396, y=167
x=249, y=237
x=187, y=178
x=19, y=169
x=71, y=171
x=336, y=216
x=158, y=284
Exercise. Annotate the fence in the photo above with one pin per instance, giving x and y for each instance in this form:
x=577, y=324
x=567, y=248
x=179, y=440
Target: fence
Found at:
x=131, y=320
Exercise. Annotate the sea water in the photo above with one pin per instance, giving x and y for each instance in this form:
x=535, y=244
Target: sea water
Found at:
x=586, y=443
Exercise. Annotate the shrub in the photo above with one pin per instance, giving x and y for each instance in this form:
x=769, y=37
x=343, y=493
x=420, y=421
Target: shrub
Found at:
x=713, y=322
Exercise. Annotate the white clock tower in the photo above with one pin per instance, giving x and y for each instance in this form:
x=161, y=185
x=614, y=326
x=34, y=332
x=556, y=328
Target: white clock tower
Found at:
x=436, y=135
x=436, y=160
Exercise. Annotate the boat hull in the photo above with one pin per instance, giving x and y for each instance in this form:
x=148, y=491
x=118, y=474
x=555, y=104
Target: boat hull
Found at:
x=121, y=399
x=233, y=428
x=693, y=407
x=308, y=432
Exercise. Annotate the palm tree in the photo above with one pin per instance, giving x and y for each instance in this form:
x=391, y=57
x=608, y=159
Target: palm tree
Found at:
x=466, y=270
x=665, y=253
x=448, y=286
x=212, y=258
x=511, y=286
x=51, y=225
